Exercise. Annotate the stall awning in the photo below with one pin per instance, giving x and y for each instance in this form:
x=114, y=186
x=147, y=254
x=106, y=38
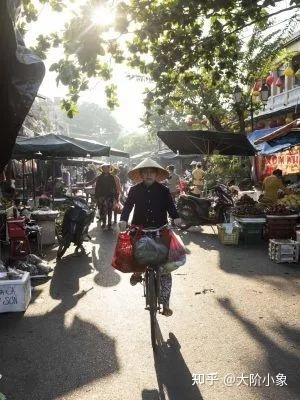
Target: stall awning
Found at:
x=284, y=140
x=119, y=153
x=280, y=132
x=170, y=155
x=141, y=155
x=53, y=145
x=207, y=142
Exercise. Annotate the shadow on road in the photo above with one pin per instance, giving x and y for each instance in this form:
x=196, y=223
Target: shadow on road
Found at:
x=66, y=275
x=278, y=360
x=174, y=378
x=48, y=356
x=247, y=260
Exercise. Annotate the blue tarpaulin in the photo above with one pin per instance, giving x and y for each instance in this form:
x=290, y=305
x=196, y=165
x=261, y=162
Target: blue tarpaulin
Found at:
x=274, y=146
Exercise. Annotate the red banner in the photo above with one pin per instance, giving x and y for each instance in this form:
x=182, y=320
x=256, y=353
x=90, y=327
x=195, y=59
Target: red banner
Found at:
x=288, y=161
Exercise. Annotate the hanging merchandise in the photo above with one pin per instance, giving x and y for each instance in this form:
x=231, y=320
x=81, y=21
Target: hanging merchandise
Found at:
x=270, y=79
x=279, y=82
x=289, y=72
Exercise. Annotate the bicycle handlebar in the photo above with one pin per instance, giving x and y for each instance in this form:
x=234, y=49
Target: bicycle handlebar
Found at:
x=148, y=230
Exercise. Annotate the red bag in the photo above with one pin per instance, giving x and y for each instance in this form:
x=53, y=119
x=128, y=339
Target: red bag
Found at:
x=176, y=249
x=123, y=259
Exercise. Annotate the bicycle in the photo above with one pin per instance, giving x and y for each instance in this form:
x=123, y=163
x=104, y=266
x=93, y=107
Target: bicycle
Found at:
x=152, y=286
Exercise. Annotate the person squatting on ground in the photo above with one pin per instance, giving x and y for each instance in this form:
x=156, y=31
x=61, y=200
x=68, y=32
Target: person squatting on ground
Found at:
x=152, y=201
x=106, y=195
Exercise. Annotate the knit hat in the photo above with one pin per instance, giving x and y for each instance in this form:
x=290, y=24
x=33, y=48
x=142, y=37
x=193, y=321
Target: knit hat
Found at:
x=135, y=173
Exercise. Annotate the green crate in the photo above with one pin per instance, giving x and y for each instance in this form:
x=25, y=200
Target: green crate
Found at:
x=252, y=232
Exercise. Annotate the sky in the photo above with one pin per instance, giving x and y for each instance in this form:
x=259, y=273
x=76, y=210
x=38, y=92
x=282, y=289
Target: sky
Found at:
x=130, y=91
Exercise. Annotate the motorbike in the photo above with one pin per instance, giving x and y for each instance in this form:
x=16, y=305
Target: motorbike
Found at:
x=75, y=225
x=195, y=211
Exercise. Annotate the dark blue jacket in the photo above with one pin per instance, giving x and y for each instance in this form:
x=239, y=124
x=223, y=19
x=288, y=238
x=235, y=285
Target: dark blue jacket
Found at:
x=151, y=205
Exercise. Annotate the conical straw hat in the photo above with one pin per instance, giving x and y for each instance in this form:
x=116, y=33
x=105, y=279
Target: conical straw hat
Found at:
x=135, y=173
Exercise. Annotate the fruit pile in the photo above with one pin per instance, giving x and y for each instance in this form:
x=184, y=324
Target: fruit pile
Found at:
x=247, y=207
x=248, y=210
x=245, y=200
x=278, y=209
x=291, y=200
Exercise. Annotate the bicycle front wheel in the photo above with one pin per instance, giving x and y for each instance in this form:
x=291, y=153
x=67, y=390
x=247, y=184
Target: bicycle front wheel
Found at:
x=152, y=305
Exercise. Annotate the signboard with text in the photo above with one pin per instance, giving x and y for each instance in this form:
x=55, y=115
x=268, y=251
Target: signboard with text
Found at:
x=288, y=161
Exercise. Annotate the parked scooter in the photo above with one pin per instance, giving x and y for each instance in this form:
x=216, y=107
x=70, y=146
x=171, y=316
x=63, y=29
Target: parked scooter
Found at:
x=75, y=226
x=195, y=211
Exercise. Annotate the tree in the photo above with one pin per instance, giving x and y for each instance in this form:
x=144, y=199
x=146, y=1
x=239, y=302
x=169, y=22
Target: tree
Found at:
x=136, y=143
x=94, y=121
x=171, y=119
x=166, y=36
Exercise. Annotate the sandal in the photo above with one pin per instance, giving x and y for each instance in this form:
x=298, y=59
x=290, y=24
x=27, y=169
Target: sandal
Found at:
x=135, y=278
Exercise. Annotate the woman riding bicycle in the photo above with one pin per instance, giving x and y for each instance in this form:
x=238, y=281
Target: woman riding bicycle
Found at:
x=152, y=201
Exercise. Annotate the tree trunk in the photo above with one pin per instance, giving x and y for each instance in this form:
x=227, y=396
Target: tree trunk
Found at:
x=215, y=122
x=241, y=117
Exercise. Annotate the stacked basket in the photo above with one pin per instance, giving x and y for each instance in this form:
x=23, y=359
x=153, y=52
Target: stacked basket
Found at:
x=284, y=251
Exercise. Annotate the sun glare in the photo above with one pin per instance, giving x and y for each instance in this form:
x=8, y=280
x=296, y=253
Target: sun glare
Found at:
x=103, y=16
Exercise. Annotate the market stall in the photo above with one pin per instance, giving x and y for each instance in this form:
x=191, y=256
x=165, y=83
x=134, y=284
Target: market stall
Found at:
x=252, y=221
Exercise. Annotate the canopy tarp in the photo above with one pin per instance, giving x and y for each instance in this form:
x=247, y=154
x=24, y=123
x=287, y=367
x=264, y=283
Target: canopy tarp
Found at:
x=80, y=161
x=281, y=143
x=118, y=153
x=280, y=132
x=141, y=155
x=170, y=155
x=21, y=73
x=207, y=142
x=53, y=146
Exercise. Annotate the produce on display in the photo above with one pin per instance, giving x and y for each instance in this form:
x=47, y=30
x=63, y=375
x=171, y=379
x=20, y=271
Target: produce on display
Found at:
x=245, y=199
x=279, y=209
x=247, y=207
x=290, y=200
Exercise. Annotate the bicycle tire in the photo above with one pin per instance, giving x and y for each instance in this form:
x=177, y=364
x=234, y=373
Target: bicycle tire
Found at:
x=152, y=305
x=64, y=245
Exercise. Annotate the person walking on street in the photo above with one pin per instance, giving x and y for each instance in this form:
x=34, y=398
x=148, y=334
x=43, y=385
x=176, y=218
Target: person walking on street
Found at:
x=115, y=172
x=173, y=181
x=106, y=195
x=123, y=178
x=198, y=175
x=152, y=201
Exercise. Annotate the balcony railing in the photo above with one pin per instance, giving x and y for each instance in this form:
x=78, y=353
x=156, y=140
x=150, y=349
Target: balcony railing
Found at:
x=283, y=100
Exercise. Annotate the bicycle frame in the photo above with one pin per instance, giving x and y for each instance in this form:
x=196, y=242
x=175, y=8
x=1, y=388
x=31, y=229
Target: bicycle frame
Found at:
x=152, y=287
x=157, y=275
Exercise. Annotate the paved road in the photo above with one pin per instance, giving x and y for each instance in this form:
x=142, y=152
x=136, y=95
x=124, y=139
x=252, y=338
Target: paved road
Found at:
x=86, y=334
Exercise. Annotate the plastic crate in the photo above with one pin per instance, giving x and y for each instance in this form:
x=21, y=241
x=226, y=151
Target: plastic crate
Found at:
x=284, y=251
x=16, y=227
x=228, y=238
x=15, y=294
x=252, y=232
x=281, y=227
